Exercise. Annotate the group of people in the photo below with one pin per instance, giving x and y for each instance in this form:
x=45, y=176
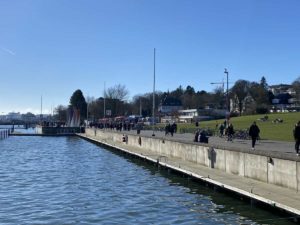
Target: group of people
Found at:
x=254, y=134
x=229, y=132
x=226, y=130
x=200, y=136
x=170, y=128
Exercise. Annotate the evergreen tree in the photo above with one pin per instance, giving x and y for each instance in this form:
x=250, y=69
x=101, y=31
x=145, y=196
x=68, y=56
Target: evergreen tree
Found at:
x=77, y=101
x=264, y=84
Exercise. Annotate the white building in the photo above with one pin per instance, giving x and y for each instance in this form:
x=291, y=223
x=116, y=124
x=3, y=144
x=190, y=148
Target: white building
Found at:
x=14, y=116
x=194, y=115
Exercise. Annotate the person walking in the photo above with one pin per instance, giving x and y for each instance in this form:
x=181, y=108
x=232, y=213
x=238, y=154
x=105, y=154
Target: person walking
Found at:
x=221, y=129
x=196, y=135
x=230, y=132
x=254, y=133
x=297, y=137
x=167, y=129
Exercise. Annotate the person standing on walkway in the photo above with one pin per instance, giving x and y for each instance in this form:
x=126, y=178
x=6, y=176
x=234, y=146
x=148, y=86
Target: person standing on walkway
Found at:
x=254, y=133
x=297, y=137
x=196, y=135
x=221, y=129
x=167, y=129
x=230, y=132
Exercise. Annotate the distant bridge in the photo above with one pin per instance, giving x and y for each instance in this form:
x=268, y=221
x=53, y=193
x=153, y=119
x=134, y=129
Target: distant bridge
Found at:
x=16, y=122
x=16, y=126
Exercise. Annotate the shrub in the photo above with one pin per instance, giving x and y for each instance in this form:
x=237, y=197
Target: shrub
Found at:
x=262, y=109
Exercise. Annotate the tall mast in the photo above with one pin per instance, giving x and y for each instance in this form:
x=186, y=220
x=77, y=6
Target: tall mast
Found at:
x=104, y=101
x=140, y=106
x=41, y=117
x=153, y=107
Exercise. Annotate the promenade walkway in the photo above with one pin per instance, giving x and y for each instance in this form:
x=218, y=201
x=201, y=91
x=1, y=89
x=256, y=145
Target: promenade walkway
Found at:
x=273, y=195
x=286, y=149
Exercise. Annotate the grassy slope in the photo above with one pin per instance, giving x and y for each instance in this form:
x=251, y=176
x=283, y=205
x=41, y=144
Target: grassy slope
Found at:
x=272, y=131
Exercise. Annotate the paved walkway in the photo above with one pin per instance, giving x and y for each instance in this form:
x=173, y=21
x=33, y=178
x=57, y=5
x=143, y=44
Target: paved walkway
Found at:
x=285, y=148
x=271, y=194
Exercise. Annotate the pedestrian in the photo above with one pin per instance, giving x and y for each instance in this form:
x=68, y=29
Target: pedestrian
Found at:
x=196, y=135
x=174, y=126
x=254, y=133
x=171, y=129
x=221, y=129
x=203, y=138
x=297, y=137
x=167, y=129
x=230, y=132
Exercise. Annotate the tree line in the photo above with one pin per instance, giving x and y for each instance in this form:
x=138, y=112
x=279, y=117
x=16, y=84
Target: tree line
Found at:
x=246, y=97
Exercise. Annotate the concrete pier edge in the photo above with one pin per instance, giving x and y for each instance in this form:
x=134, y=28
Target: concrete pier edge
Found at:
x=204, y=179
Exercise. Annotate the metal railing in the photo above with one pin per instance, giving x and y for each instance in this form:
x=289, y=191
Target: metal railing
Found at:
x=4, y=133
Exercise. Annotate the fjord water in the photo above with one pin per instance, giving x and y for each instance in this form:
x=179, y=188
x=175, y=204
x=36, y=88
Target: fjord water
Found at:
x=19, y=129
x=67, y=180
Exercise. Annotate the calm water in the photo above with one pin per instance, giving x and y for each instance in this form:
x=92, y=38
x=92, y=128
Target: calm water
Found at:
x=67, y=180
x=19, y=128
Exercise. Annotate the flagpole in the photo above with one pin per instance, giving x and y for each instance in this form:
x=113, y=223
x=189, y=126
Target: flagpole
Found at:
x=104, y=101
x=153, y=107
x=41, y=117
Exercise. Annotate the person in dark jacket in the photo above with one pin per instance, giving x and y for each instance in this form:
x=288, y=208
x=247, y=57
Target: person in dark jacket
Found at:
x=167, y=129
x=203, y=137
x=221, y=129
x=196, y=135
x=297, y=137
x=254, y=133
x=230, y=132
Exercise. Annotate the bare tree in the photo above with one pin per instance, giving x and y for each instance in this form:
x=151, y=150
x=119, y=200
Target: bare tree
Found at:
x=118, y=91
x=60, y=113
x=218, y=98
x=115, y=99
x=296, y=86
x=240, y=90
x=89, y=99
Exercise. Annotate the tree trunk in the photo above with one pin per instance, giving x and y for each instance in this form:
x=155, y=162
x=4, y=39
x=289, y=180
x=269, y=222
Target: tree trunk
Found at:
x=240, y=107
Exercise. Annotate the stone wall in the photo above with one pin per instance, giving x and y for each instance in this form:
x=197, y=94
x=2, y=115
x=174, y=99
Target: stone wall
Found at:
x=274, y=170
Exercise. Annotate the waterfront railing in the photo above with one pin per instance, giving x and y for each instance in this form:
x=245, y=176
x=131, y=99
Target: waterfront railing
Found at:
x=4, y=133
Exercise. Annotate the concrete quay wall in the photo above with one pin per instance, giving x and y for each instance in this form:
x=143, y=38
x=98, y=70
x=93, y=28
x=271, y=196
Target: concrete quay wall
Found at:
x=276, y=170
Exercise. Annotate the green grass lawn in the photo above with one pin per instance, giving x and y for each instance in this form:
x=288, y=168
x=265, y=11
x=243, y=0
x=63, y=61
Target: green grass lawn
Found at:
x=268, y=129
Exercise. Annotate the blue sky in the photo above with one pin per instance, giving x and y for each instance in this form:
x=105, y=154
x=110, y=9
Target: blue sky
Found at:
x=53, y=47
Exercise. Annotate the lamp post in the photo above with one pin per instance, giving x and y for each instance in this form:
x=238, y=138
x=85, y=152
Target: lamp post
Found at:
x=41, y=116
x=104, y=95
x=227, y=98
x=87, y=114
x=153, y=107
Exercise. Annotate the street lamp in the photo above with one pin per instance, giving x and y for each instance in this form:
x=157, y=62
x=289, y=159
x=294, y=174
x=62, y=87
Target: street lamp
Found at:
x=227, y=99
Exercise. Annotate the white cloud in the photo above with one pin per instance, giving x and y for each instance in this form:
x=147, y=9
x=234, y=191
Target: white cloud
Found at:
x=8, y=51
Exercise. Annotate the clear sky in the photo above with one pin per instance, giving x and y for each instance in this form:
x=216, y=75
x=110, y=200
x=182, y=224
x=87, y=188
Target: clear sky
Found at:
x=53, y=47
